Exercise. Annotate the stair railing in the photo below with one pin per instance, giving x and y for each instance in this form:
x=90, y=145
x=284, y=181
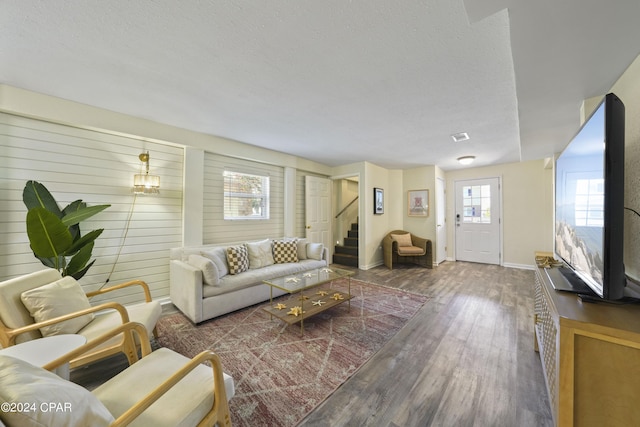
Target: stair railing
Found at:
x=347, y=207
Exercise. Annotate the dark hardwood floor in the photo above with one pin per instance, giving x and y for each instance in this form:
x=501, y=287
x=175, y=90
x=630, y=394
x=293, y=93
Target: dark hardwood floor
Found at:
x=465, y=359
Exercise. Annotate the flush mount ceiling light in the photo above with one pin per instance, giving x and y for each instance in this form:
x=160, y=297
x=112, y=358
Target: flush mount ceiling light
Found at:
x=466, y=160
x=460, y=137
x=143, y=183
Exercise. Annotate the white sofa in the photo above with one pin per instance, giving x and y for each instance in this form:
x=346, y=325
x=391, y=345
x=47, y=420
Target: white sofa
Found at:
x=203, y=287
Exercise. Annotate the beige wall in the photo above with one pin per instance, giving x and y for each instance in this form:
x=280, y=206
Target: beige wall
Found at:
x=627, y=88
x=527, y=208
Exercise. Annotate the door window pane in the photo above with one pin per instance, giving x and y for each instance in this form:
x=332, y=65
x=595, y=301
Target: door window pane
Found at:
x=476, y=204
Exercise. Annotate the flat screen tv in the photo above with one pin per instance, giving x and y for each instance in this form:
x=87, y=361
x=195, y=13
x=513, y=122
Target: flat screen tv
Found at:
x=589, y=203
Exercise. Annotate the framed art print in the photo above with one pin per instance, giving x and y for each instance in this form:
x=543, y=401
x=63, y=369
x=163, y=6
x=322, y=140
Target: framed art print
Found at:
x=378, y=201
x=418, y=202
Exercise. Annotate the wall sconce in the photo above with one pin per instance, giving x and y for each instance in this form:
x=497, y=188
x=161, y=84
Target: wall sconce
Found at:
x=466, y=160
x=143, y=183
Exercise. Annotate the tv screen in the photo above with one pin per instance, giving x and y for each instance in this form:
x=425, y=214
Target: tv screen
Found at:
x=589, y=201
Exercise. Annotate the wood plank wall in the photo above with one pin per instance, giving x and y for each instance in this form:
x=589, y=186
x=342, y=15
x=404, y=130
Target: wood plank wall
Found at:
x=97, y=167
x=218, y=230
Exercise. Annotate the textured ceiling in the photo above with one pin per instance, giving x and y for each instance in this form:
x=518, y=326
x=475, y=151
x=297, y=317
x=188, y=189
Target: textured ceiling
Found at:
x=333, y=81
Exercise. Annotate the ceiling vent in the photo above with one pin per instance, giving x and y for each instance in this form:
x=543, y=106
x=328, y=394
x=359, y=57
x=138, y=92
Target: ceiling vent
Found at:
x=460, y=137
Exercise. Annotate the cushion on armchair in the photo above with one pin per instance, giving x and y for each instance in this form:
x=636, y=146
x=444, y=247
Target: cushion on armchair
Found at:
x=56, y=299
x=46, y=399
x=403, y=240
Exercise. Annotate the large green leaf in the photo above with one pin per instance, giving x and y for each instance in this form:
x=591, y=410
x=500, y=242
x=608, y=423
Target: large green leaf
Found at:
x=78, y=275
x=83, y=241
x=36, y=195
x=72, y=207
x=76, y=216
x=79, y=260
x=48, y=236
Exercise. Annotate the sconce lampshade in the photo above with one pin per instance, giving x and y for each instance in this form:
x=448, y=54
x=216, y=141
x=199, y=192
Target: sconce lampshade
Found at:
x=143, y=183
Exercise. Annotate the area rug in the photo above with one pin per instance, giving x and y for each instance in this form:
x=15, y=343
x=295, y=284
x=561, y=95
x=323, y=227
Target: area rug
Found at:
x=280, y=375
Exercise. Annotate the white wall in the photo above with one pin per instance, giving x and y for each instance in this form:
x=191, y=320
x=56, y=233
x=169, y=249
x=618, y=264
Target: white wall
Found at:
x=98, y=168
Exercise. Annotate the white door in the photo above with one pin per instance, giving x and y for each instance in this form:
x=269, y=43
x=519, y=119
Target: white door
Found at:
x=477, y=226
x=441, y=226
x=318, y=210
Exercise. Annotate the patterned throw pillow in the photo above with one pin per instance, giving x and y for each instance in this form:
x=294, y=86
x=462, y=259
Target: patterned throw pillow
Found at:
x=285, y=251
x=238, y=259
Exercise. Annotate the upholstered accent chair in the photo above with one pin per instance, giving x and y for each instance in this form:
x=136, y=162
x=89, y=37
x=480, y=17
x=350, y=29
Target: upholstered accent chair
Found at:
x=45, y=303
x=162, y=388
x=400, y=246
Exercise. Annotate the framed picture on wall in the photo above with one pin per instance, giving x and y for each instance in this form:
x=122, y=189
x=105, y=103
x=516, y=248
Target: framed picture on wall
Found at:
x=418, y=203
x=378, y=201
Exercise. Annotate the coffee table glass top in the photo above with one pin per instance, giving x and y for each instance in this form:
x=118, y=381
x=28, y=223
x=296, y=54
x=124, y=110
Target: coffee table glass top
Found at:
x=300, y=281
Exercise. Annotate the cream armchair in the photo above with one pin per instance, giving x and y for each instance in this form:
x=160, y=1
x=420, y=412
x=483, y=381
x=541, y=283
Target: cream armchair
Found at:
x=163, y=388
x=45, y=303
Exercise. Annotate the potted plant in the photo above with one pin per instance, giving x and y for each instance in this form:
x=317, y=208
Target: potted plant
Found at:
x=54, y=233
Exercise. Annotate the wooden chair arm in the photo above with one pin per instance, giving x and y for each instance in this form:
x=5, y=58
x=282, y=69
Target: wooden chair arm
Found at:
x=218, y=412
x=145, y=288
x=13, y=333
x=127, y=329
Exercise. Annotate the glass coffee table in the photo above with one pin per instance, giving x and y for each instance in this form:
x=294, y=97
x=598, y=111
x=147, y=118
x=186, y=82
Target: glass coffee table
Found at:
x=308, y=303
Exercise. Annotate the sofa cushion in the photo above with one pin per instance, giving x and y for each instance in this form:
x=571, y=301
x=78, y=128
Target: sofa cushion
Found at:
x=51, y=400
x=209, y=270
x=56, y=299
x=219, y=258
x=285, y=251
x=238, y=259
x=314, y=251
x=302, y=248
x=260, y=254
x=402, y=239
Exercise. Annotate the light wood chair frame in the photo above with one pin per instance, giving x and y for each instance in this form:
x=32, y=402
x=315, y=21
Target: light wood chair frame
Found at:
x=218, y=414
x=8, y=336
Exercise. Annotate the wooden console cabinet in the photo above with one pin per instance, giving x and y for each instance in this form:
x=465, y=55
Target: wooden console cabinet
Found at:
x=590, y=356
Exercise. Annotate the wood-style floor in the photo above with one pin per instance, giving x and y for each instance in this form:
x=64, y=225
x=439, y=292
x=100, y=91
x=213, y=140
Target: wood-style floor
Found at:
x=465, y=359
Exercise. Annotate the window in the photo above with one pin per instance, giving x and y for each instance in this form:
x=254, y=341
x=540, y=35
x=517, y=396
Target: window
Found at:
x=245, y=196
x=476, y=201
x=589, y=207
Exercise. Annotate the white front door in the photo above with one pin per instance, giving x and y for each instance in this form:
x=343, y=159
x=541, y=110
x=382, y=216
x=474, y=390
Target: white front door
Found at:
x=477, y=221
x=318, y=210
x=441, y=225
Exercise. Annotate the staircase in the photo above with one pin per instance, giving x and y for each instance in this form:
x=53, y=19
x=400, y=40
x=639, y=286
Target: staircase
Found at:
x=347, y=254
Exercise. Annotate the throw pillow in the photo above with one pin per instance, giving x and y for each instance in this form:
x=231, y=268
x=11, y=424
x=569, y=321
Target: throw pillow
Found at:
x=260, y=254
x=314, y=251
x=238, y=259
x=36, y=388
x=210, y=274
x=302, y=248
x=219, y=258
x=56, y=299
x=285, y=251
x=402, y=239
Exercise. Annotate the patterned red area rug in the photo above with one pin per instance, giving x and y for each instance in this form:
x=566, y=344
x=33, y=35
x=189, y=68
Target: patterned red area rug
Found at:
x=281, y=376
